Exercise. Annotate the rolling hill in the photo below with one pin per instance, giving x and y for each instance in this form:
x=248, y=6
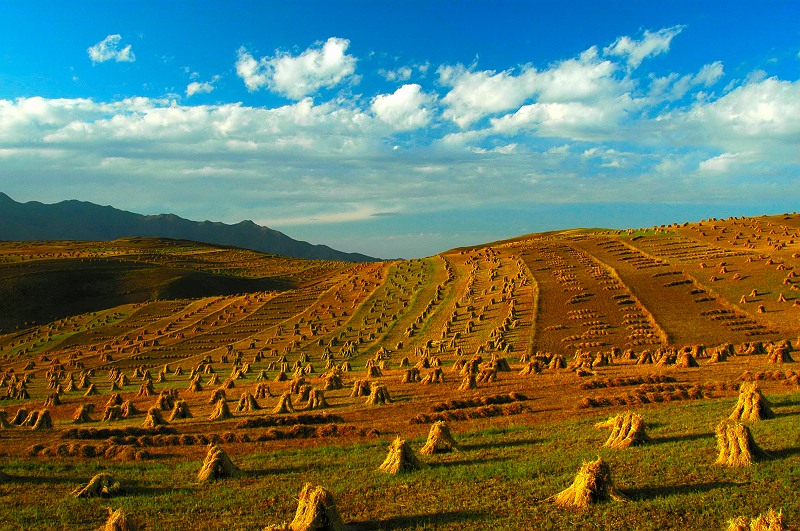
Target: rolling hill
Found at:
x=145, y=351
x=78, y=220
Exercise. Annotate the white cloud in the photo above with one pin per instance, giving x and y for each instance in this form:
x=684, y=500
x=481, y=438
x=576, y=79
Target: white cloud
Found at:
x=197, y=87
x=108, y=49
x=405, y=109
x=710, y=74
x=255, y=74
x=652, y=43
x=675, y=86
x=476, y=94
x=719, y=164
x=400, y=74
x=757, y=112
x=301, y=75
x=586, y=80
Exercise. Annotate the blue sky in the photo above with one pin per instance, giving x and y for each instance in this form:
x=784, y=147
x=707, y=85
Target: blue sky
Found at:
x=401, y=129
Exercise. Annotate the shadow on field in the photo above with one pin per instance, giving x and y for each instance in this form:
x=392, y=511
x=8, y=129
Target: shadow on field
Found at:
x=416, y=521
x=467, y=462
x=38, y=480
x=785, y=452
x=137, y=489
x=683, y=438
x=787, y=414
x=493, y=445
x=281, y=470
x=649, y=493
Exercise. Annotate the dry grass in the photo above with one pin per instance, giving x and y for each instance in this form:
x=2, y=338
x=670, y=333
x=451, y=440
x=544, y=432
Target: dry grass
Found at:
x=217, y=465
x=627, y=429
x=401, y=459
x=736, y=445
x=592, y=485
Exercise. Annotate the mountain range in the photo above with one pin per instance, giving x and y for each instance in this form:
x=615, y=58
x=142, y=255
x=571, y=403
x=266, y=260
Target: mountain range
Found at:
x=79, y=220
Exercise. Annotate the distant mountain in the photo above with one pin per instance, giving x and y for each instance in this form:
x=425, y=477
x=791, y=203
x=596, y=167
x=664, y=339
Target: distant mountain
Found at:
x=79, y=220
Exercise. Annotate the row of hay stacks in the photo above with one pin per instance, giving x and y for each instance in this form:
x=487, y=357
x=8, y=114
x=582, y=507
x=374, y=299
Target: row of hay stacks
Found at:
x=737, y=448
x=592, y=484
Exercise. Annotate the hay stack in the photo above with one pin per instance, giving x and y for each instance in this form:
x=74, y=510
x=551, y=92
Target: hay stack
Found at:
x=296, y=385
x=217, y=395
x=532, y=367
x=217, y=465
x=154, y=418
x=43, y=421
x=4, y=424
x=82, y=414
x=128, y=409
x=718, y=356
x=19, y=417
x=736, y=445
x=411, y=376
x=316, y=511
x=592, y=484
x=118, y=521
x=433, y=377
x=360, y=388
x=401, y=458
x=378, y=395
x=112, y=413
x=627, y=429
x=263, y=391
x=180, y=411
x=221, y=411
x=102, y=485
x=470, y=382
x=304, y=392
x=333, y=380
x=779, y=354
x=284, y=404
x=146, y=388
x=115, y=400
x=752, y=405
x=557, y=362
x=247, y=402
x=316, y=400
x=771, y=521
x=31, y=419
x=439, y=440
x=686, y=360
x=52, y=400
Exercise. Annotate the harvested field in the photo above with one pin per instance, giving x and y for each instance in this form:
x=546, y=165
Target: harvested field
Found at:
x=547, y=331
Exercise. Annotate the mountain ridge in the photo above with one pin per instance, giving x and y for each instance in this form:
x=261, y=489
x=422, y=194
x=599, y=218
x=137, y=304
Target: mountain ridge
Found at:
x=82, y=220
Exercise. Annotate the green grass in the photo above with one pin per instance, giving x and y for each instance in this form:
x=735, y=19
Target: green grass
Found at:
x=498, y=481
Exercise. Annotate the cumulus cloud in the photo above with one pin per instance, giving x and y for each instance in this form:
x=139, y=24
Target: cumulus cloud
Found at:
x=475, y=94
x=298, y=76
x=400, y=74
x=405, y=109
x=651, y=44
x=719, y=164
x=585, y=128
x=585, y=80
x=675, y=86
x=768, y=109
x=200, y=87
x=108, y=49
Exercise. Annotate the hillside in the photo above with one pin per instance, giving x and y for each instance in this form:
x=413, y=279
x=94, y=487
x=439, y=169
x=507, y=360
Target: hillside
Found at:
x=78, y=220
x=306, y=370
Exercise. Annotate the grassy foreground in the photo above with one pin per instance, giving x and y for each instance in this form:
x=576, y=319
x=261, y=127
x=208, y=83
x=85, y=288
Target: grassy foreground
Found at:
x=498, y=481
